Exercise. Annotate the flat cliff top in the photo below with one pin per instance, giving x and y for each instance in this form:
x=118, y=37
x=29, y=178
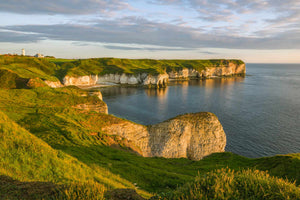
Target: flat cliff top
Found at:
x=195, y=117
x=103, y=66
x=15, y=67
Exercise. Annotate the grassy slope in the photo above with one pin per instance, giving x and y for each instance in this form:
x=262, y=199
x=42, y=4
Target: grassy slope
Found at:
x=25, y=157
x=51, y=121
x=47, y=113
x=29, y=67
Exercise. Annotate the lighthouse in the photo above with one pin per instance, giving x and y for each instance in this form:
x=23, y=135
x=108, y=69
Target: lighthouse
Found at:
x=23, y=52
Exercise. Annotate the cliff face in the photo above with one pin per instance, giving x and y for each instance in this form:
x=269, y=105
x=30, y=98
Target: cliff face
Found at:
x=136, y=133
x=97, y=106
x=96, y=93
x=53, y=84
x=159, y=80
x=190, y=136
x=209, y=72
x=231, y=69
x=80, y=80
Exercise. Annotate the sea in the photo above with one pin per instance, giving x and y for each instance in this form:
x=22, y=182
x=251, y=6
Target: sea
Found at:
x=260, y=112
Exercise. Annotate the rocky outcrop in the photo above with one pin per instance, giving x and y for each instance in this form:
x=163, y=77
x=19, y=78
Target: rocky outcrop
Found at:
x=53, y=84
x=159, y=80
x=192, y=136
x=133, y=132
x=209, y=72
x=180, y=74
x=231, y=69
x=80, y=80
x=99, y=108
x=36, y=83
x=96, y=93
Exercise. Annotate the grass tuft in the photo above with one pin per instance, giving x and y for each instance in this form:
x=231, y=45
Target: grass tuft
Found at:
x=228, y=184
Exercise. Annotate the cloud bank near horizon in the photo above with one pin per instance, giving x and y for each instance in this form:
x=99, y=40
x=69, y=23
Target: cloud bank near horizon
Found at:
x=169, y=24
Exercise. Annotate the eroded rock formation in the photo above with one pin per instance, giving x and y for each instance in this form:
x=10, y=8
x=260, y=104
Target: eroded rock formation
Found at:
x=159, y=80
x=209, y=72
x=53, y=84
x=192, y=136
x=97, y=106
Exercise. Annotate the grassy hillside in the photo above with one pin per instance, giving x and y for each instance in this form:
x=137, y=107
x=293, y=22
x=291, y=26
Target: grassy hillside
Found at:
x=28, y=67
x=15, y=70
x=26, y=158
x=49, y=114
x=49, y=149
x=134, y=66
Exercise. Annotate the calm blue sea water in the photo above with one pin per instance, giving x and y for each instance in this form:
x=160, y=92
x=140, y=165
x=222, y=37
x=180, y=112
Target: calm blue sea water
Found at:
x=260, y=113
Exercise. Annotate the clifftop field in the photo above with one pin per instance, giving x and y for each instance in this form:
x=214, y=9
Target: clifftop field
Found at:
x=52, y=149
x=14, y=70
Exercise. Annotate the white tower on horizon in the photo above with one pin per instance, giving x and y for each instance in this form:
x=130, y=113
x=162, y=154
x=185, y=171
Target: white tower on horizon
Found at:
x=23, y=52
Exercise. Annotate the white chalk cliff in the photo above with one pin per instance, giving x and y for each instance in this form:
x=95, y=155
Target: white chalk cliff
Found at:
x=192, y=136
x=159, y=80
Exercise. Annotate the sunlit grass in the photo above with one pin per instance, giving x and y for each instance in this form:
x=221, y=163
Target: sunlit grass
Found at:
x=44, y=138
x=228, y=184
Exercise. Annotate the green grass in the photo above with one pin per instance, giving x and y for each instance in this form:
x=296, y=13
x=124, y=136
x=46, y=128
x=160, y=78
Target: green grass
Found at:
x=29, y=67
x=135, y=66
x=10, y=80
x=49, y=115
x=48, y=144
x=228, y=184
x=281, y=165
x=27, y=158
x=53, y=69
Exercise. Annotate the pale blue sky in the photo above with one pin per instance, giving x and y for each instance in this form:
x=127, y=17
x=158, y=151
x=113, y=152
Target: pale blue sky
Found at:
x=252, y=30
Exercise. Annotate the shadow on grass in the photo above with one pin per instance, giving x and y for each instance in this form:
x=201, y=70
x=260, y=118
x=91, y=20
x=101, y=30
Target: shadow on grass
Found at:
x=14, y=189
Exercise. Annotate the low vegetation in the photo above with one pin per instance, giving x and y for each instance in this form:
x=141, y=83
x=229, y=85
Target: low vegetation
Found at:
x=228, y=184
x=51, y=150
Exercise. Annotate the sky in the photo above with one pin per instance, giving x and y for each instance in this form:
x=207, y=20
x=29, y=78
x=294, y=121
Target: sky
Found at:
x=256, y=31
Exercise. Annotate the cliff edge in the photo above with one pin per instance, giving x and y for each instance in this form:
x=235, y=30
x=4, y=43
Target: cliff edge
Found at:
x=192, y=136
x=151, y=73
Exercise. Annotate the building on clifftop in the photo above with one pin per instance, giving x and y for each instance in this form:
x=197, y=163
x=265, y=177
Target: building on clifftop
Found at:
x=38, y=55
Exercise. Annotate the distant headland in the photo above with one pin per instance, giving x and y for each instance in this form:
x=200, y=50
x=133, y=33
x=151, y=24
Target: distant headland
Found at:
x=57, y=72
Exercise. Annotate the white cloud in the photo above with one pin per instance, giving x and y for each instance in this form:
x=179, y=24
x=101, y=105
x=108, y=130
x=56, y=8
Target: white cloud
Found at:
x=140, y=31
x=73, y=7
x=238, y=24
